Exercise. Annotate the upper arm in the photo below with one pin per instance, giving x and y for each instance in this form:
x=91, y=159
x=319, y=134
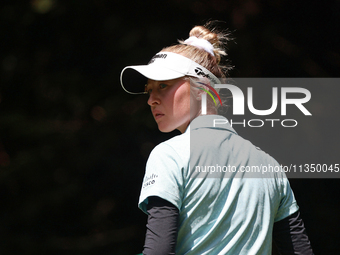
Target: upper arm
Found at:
x=163, y=177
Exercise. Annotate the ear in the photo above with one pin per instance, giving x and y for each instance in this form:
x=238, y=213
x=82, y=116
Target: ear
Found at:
x=199, y=94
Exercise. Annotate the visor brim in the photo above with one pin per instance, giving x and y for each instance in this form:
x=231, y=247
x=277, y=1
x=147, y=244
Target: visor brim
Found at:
x=134, y=78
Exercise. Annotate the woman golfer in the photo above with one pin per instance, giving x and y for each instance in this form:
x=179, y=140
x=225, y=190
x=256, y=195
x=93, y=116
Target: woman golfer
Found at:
x=198, y=197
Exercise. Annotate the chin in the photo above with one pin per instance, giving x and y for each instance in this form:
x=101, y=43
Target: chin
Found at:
x=165, y=128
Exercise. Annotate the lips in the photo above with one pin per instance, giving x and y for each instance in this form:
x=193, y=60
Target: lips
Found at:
x=157, y=114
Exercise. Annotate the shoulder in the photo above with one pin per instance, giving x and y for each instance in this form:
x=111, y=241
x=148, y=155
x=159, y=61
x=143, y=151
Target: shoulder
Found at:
x=176, y=143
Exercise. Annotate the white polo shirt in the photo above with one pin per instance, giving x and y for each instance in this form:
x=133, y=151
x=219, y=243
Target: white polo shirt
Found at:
x=229, y=193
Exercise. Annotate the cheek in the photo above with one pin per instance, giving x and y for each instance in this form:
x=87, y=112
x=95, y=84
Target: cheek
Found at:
x=182, y=101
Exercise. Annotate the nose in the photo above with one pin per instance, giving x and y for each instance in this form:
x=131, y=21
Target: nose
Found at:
x=153, y=98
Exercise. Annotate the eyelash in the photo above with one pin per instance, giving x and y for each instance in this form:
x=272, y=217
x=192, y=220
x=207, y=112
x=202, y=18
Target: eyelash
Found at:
x=160, y=85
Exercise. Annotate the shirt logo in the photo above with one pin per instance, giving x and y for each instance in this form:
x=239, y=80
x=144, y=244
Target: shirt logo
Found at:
x=149, y=180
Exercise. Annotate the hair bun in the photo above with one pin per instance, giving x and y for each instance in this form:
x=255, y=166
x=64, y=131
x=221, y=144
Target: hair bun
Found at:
x=217, y=39
x=215, y=42
x=204, y=33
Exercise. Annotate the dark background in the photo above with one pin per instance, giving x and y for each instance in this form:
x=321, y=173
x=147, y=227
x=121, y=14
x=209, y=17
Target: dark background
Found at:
x=73, y=145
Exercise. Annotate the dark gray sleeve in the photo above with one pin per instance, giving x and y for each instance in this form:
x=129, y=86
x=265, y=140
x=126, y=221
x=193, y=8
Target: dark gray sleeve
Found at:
x=290, y=236
x=161, y=233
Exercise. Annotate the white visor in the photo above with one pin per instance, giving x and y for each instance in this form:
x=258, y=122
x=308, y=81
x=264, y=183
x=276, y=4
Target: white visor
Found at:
x=163, y=66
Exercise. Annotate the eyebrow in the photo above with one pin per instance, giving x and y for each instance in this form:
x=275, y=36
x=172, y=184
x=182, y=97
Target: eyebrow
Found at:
x=146, y=87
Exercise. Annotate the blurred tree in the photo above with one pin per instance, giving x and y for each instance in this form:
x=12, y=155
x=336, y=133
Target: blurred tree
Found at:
x=73, y=146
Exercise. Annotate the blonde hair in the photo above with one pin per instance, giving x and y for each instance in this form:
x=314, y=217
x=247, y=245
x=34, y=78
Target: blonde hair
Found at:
x=217, y=38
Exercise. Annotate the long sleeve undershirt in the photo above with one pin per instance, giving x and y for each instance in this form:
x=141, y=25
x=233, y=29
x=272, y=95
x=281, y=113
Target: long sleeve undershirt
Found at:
x=289, y=234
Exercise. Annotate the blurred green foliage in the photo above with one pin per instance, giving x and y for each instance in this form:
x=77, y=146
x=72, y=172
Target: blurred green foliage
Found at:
x=73, y=146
